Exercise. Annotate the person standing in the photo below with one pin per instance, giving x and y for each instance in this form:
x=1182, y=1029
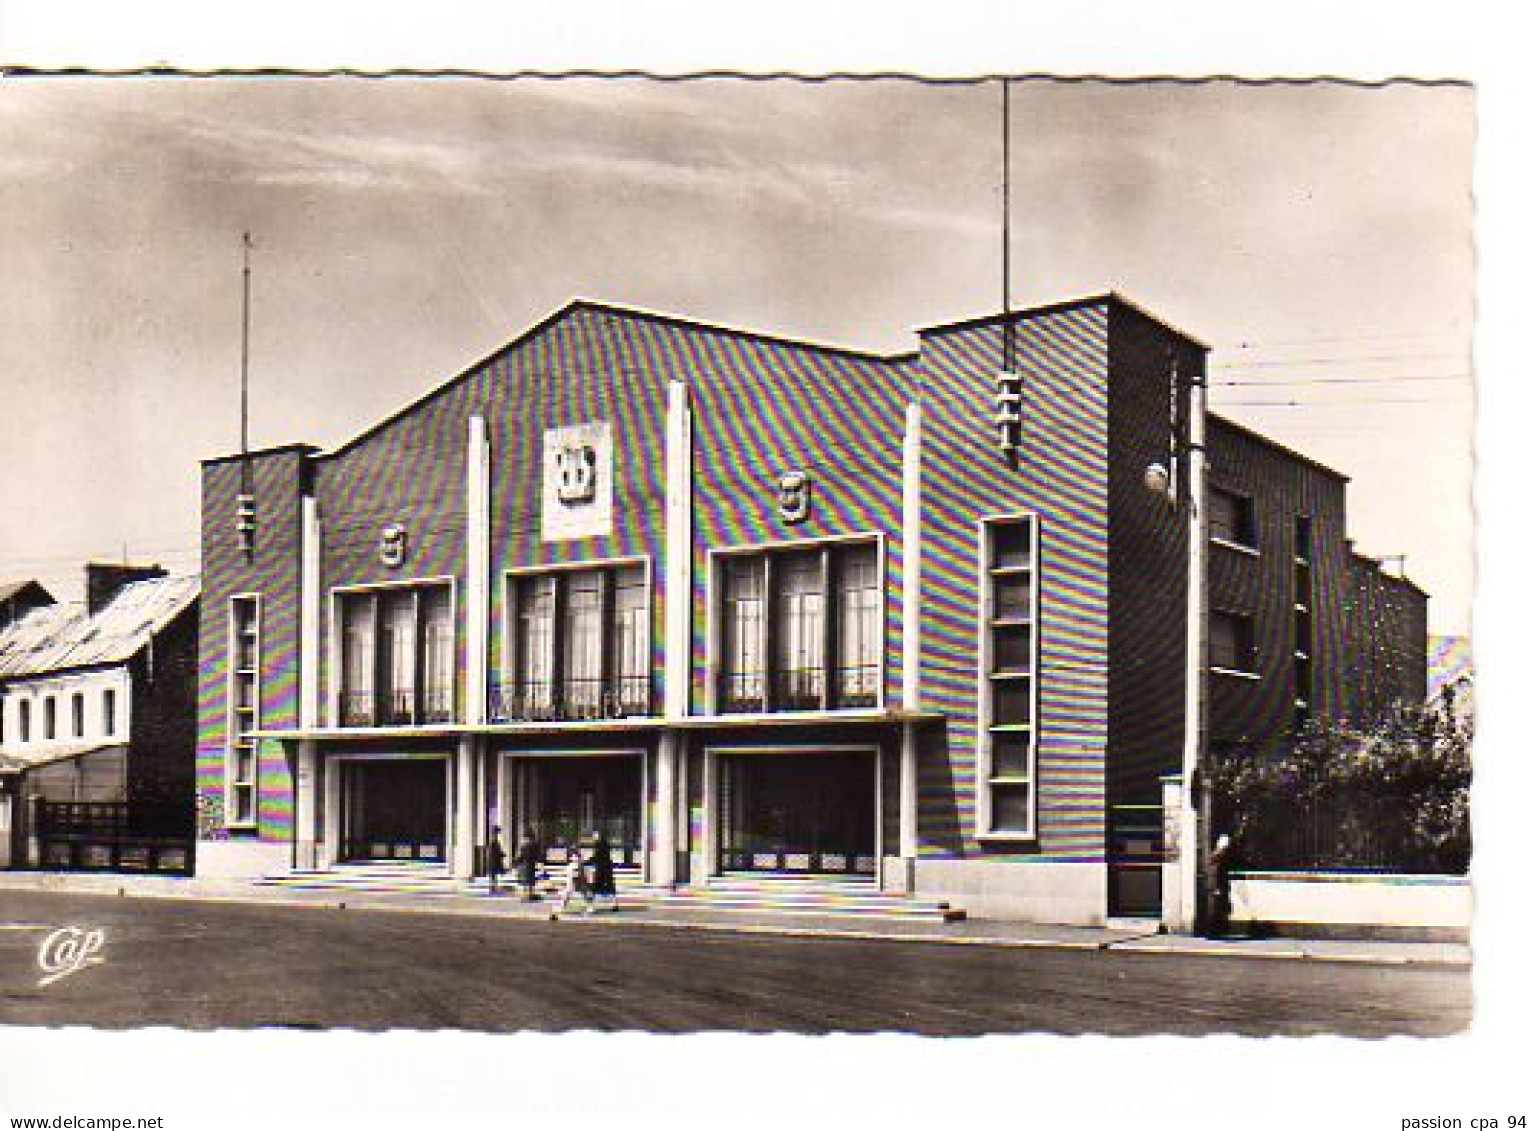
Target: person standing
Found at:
x=495, y=859
x=575, y=881
x=604, y=892
x=529, y=858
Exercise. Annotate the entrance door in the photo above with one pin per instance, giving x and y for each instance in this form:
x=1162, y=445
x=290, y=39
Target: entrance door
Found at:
x=395, y=810
x=570, y=798
x=802, y=813
x=1135, y=861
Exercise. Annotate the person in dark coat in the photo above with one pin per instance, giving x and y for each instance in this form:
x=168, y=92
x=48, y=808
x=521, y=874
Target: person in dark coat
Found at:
x=1219, y=869
x=529, y=858
x=495, y=859
x=600, y=862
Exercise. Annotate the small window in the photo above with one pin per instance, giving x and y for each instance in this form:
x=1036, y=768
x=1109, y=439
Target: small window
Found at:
x=77, y=715
x=109, y=712
x=1230, y=518
x=50, y=718
x=24, y=721
x=1231, y=642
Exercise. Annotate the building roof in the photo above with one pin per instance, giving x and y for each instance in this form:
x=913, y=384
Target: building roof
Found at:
x=65, y=636
x=1219, y=421
x=15, y=762
x=9, y=589
x=1106, y=298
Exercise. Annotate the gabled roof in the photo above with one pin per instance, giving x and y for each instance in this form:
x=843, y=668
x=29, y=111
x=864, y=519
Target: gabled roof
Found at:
x=9, y=589
x=62, y=637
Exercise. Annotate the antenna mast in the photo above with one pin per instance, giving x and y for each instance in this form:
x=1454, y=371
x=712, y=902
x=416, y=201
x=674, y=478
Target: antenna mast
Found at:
x=245, y=505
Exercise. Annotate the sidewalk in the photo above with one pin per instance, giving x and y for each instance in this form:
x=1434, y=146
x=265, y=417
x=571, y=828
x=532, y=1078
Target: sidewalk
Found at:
x=971, y=932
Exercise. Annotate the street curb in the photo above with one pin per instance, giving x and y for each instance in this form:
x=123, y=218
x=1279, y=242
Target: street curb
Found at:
x=1134, y=944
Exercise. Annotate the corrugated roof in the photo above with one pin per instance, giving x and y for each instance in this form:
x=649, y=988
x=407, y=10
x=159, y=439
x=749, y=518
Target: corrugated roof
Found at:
x=17, y=762
x=59, y=637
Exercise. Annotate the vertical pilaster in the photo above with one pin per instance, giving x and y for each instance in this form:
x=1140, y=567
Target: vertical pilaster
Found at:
x=911, y=635
x=306, y=807
x=477, y=569
x=677, y=595
x=309, y=613
x=912, y=559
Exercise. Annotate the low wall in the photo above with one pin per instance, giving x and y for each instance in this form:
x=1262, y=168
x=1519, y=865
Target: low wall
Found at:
x=1032, y=892
x=1353, y=905
x=241, y=859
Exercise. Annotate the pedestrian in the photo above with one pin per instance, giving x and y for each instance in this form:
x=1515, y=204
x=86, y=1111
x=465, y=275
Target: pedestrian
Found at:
x=528, y=860
x=1219, y=867
x=604, y=892
x=575, y=881
x=495, y=859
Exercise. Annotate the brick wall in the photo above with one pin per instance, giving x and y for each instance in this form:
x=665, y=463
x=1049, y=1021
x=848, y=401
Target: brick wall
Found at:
x=1062, y=357
x=1260, y=584
x=273, y=573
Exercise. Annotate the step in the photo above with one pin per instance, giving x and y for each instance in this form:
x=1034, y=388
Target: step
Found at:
x=895, y=909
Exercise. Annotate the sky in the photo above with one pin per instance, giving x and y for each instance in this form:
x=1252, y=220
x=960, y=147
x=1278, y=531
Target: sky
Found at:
x=1317, y=236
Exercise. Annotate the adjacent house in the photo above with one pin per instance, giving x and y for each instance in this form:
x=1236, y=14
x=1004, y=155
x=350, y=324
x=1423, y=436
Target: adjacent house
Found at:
x=756, y=607
x=96, y=708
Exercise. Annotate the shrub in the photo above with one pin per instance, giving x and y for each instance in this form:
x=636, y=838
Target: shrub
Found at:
x=1390, y=796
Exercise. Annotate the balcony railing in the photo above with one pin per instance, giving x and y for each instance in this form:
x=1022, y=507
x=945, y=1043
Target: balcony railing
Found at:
x=402, y=707
x=800, y=689
x=571, y=700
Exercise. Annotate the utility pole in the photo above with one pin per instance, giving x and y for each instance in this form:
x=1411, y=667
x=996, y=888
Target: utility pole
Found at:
x=1194, y=815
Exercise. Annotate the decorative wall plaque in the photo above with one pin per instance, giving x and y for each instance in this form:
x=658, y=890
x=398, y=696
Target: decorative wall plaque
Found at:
x=393, y=543
x=577, y=488
x=795, y=496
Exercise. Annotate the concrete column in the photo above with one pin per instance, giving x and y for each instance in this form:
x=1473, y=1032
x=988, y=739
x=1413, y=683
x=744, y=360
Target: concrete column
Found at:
x=309, y=615
x=463, y=817
x=677, y=586
x=706, y=855
x=664, y=819
x=306, y=811
x=331, y=816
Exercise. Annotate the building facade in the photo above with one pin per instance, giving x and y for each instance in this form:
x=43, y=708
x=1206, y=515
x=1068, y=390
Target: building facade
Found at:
x=745, y=605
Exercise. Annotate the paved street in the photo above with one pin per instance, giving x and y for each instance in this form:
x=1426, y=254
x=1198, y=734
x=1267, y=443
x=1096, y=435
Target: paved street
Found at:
x=205, y=964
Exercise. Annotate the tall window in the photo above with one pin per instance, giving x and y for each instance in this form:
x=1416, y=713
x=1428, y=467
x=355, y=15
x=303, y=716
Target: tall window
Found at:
x=77, y=715
x=24, y=721
x=1301, y=660
x=109, y=712
x=50, y=718
x=819, y=648
x=397, y=658
x=244, y=710
x=1230, y=517
x=1009, y=652
x=1232, y=642
x=580, y=646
